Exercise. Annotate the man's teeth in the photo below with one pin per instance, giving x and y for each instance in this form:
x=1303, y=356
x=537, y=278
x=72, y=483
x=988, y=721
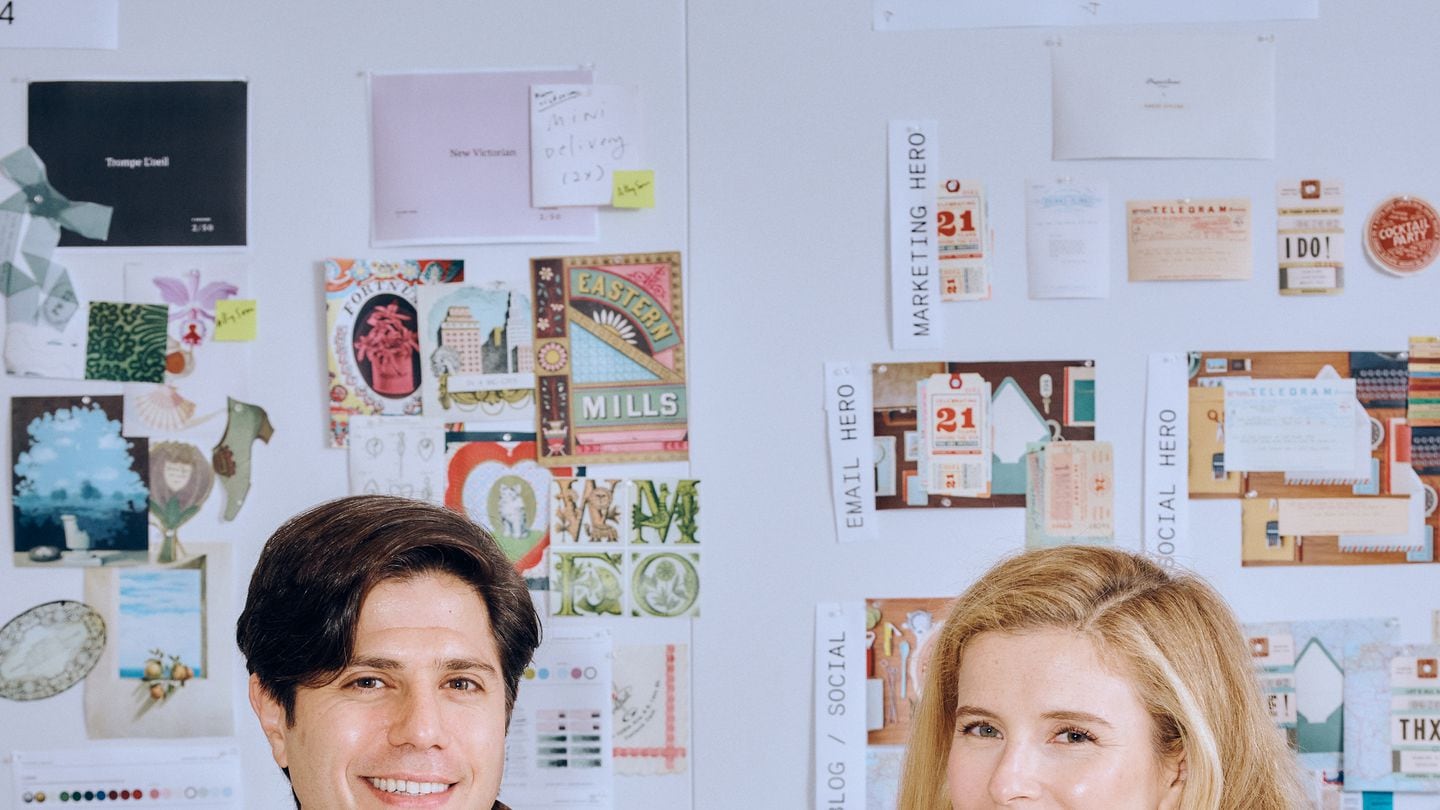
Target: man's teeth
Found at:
x=412, y=788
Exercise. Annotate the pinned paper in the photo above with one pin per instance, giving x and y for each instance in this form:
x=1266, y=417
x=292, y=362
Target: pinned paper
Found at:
x=30, y=223
x=235, y=319
x=634, y=189
x=579, y=135
x=125, y=342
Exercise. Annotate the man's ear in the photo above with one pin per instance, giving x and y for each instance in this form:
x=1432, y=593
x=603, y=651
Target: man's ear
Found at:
x=1174, y=773
x=272, y=719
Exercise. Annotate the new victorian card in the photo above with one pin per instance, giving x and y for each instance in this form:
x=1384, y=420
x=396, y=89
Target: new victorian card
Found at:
x=610, y=359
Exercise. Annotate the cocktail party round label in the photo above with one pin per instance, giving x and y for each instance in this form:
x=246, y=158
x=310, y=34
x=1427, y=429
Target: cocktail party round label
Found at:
x=1402, y=236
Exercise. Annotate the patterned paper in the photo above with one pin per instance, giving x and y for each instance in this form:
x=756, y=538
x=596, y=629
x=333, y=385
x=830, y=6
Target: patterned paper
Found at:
x=373, y=345
x=625, y=548
x=495, y=480
x=126, y=342
x=610, y=359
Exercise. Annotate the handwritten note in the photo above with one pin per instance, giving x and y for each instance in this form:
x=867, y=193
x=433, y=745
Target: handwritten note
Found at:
x=580, y=134
x=634, y=189
x=235, y=319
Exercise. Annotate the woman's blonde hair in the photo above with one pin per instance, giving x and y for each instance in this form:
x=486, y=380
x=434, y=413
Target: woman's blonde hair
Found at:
x=1171, y=633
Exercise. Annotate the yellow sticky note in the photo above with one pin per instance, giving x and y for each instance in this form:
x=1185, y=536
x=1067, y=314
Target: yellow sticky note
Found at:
x=634, y=189
x=235, y=319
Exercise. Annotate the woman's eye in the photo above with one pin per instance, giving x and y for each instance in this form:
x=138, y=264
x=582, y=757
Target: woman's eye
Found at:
x=980, y=730
x=1074, y=736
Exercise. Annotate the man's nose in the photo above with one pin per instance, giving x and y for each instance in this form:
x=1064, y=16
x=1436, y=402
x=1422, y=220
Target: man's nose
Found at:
x=1016, y=774
x=418, y=720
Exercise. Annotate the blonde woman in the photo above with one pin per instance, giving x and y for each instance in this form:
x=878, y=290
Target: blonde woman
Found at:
x=1085, y=678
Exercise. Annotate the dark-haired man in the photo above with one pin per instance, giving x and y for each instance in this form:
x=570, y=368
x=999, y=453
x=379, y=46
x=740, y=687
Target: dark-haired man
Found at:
x=385, y=640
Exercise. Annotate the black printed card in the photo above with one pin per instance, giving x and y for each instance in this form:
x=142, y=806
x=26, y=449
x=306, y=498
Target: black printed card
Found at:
x=169, y=156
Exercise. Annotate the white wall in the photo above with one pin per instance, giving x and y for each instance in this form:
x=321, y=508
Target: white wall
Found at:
x=310, y=199
x=787, y=268
x=789, y=104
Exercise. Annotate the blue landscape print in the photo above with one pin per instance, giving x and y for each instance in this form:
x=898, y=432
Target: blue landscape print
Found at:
x=160, y=610
x=79, y=485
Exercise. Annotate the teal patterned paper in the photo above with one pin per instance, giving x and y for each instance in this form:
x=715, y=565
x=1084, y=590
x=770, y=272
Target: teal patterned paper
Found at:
x=126, y=342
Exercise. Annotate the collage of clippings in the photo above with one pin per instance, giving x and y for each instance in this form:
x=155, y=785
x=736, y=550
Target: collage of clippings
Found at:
x=1331, y=458
x=492, y=390
x=1327, y=452
x=137, y=481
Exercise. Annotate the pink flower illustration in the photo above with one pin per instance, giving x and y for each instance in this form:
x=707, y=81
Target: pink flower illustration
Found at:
x=192, y=305
x=389, y=345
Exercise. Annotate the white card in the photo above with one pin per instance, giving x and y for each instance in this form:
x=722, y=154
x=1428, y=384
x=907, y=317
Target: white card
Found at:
x=910, y=15
x=579, y=135
x=1067, y=238
x=1163, y=96
x=1279, y=425
x=848, y=415
x=839, y=772
x=1167, y=459
x=914, y=266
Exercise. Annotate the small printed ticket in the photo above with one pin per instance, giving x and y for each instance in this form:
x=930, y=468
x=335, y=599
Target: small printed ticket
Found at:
x=1311, y=248
x=1079, y=489
x=955, y=411
x=962, y=239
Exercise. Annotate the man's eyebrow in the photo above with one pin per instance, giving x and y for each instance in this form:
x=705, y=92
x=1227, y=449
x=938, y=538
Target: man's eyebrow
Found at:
x=375, y=662
x=466, y=664
x=445, y=665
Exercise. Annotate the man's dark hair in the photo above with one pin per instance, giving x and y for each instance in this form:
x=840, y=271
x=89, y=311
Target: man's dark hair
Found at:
x=298, y=626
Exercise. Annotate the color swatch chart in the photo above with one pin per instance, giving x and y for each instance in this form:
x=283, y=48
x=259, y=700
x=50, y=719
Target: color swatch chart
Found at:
x=558, y=752
x=199, y=777
x=570, y=738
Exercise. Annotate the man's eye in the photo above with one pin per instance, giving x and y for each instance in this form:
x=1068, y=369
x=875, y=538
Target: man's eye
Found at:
x=463, y=685
x=367, y=682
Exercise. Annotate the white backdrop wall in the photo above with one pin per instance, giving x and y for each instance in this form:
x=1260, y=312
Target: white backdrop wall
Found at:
x=778, y=113
x=789, y=104
x=310, y=199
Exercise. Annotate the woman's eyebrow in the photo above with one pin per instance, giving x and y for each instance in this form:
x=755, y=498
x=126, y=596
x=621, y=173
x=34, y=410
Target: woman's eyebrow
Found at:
x=1063, y=715
x=1077, y=717
x=972, y=711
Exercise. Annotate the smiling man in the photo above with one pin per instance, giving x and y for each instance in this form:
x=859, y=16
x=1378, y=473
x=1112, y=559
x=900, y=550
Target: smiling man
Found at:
x=385, y=640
